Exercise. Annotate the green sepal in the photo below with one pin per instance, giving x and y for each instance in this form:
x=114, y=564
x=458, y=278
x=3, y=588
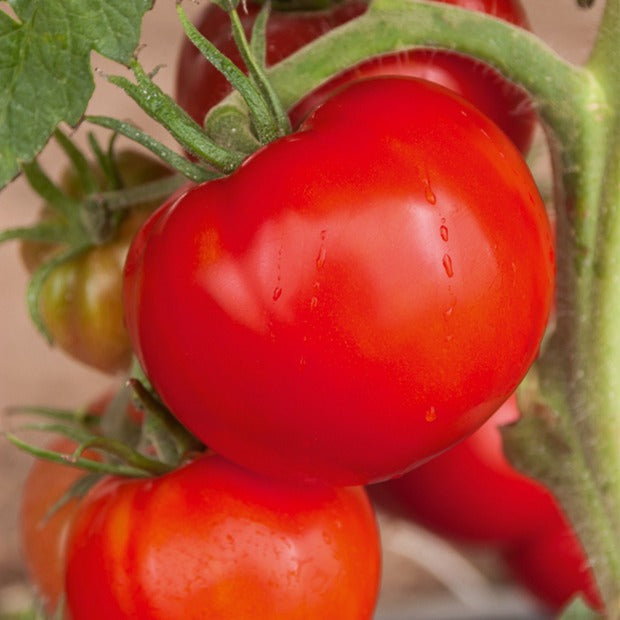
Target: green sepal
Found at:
x=192, y=171
x=256, y=71
x=87, y=179
x=262, y=119
x=171, y=440
x=163, y=109
x=77, y=461
x=77, y=490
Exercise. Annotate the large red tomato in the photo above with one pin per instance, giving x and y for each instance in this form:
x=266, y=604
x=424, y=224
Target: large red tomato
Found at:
x=211, y=540
x=200, y=86
x=334, y=309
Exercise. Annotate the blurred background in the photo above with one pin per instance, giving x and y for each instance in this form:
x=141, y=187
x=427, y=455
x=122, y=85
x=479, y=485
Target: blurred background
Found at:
x=424, y=577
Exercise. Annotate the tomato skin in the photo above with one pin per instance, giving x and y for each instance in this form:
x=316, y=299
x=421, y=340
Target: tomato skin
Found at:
x=472, y=494
x=200, y=86
x=81, y=300
x=504, y=103
x=554, y=568
x=342, y=321
x=43, y=538
x=211, y=540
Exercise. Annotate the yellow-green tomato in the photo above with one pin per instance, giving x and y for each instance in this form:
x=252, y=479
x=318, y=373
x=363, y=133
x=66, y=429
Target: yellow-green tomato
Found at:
x=80, y=302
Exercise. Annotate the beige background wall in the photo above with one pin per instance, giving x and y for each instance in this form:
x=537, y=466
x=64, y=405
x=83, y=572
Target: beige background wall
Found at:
x=30, y=371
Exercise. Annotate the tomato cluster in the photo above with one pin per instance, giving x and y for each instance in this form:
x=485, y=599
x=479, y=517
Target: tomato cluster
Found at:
x=325, y=317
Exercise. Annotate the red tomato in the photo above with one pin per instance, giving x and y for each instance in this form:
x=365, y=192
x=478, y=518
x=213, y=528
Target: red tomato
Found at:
x=333, y=308
x=481, y=497
x=554, y=568
x=43, y=536
x=200, y=86
x=211, y=540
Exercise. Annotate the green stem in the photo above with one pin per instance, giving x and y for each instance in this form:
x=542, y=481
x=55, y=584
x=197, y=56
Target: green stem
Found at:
x=78, y=461
x=257, y=106
x=396, y=25
x=138, y=194
x=257, y=72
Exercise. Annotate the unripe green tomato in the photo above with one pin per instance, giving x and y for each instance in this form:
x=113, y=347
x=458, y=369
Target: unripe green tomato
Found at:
x=81, y=300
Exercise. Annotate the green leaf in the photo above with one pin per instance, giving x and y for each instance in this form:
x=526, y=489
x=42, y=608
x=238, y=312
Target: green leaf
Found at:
x=45, y=68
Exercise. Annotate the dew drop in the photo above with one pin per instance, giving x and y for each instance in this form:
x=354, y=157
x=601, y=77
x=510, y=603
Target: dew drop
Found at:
x=314, y=302
x=448, y=313
x=431, y=414
x=320, y=259
x=443, y=231
x=277, y=292
x=430, y=195
x=447, y=265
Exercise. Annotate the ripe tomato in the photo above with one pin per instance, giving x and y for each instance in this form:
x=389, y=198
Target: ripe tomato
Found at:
x=554, y=568
x=333, y=308
x=43, y=536
x=200, y=86
x=211, y=540
x=481, y=498
x=43, y=533
x=81, y=300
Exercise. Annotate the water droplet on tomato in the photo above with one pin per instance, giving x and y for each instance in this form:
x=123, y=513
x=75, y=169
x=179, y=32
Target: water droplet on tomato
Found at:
x=314, y=302
x=448, y=312
x=443, y=231
x=320, y=259
x=446, y=261
x=431, y=414
x=277, y=292
x=429, y=194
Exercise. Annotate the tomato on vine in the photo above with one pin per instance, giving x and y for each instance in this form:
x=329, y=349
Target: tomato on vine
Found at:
x=340, y=321
x=211, y=540
x=43, y=533
x=80, y=300
x=200, y=85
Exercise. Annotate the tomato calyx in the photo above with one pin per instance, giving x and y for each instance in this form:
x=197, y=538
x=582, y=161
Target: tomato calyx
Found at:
x=133, y=436
x=84, y=210
x=242, y=132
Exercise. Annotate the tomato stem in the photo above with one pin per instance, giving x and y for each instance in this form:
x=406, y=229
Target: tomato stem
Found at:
x=257, y=105
x=174, y=119
x=254, y=59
